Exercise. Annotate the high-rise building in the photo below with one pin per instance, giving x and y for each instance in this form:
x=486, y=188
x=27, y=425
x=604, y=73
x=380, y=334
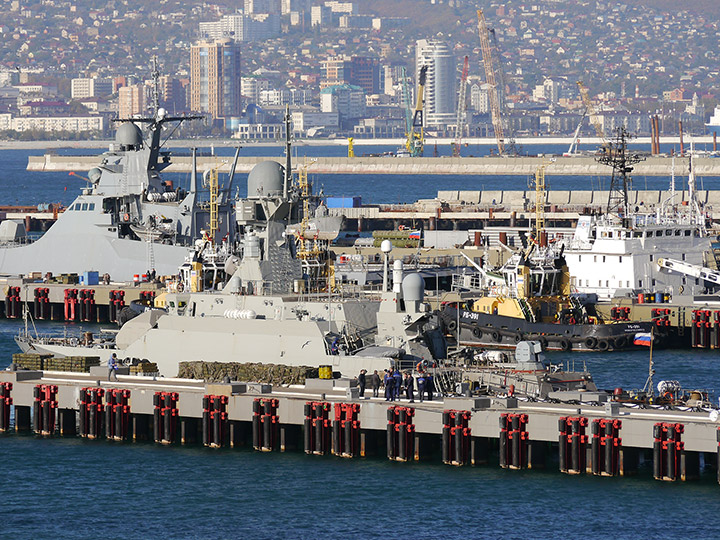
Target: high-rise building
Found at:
x=132, y=100
x=172, y=94
x=215, y=78
x=440, y=98
x=365, y=73
x=359, y=71
x=88, y=87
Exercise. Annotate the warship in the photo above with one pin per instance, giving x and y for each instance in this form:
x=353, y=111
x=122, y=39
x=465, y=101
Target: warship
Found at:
x=129, y=219
x=278, y=304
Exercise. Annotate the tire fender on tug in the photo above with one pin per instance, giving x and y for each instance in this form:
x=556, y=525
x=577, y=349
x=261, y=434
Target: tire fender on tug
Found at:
x=603, y=345
x=591, y=342
x=564, y=344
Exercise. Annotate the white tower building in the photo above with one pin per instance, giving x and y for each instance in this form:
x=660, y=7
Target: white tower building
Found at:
x=440, y=96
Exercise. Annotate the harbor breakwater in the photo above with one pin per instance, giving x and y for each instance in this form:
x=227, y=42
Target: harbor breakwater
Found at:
x=513, y=166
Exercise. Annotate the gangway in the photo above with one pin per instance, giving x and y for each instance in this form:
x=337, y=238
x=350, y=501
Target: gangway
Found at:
x=693, y=270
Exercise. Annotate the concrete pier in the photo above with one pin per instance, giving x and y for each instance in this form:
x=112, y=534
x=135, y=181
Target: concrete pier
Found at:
x=72, y=302
x=327, y=417
x=518, y=165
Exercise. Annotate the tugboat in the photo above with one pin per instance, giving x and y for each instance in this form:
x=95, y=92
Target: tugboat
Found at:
x=530, y=298
x=128, y=220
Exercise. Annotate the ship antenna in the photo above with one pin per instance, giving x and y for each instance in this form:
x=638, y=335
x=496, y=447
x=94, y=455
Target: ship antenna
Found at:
x=288, y=155
x=155, y=87
x=616, y=156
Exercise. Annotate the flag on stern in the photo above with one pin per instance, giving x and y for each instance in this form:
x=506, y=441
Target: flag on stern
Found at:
x=643, y=338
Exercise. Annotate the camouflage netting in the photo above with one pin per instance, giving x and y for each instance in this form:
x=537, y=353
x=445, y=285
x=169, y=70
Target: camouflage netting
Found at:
x=262, y=373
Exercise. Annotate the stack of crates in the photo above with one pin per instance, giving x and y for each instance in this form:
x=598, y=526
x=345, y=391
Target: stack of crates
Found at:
x=144, y=368
x=78, y=364
x=32, y=361
x=68, y=279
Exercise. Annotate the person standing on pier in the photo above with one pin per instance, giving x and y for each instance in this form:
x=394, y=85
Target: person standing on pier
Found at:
x=430, y=382
x=112, y=367
x=410, y=387
x=375, y=383
x=362, y=382
x=397, y=376
x=389, y=382
x=421, y=386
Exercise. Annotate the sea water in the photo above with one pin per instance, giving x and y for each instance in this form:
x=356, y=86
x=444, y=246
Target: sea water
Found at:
x=73, y=488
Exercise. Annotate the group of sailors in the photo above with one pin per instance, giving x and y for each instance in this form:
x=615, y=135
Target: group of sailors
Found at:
x=396, y=383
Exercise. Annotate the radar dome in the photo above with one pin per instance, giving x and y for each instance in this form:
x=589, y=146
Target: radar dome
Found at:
x=265, y=179
x=94, y=174
x=413, y=288
x=128, y=134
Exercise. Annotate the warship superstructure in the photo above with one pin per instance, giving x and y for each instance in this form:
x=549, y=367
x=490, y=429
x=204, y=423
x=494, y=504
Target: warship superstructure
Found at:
x=129, y=219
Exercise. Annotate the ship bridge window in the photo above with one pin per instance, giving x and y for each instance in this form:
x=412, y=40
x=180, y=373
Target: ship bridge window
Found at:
x=677, y=232
x=84, y=206
x=637, y=234
x=687, y=232
x=91, y=206
x=649, y=234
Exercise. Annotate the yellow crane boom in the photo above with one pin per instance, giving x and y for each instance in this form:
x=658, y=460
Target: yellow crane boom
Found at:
x=493, y=98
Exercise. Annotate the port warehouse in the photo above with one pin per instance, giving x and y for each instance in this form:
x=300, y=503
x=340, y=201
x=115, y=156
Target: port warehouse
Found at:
x=325, y=416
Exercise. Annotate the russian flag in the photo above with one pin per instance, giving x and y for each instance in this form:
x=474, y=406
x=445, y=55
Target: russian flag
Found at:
x=414, y=235
x=643, y=338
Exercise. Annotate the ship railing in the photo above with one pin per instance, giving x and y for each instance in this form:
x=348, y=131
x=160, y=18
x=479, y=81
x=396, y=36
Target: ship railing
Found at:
x=467, y=281
x=526, y=310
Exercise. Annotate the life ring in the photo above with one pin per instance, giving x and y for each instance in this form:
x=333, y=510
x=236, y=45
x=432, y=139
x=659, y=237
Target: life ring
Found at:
x=591, y=342
x=565, y=344
x=180, y=287
x=620, y=342
x=496, y=336
x=126, y=217
x=603, y=345
x=452, y=326
x=477, y=332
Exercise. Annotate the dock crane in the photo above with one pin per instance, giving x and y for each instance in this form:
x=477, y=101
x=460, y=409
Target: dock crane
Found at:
x=416, y=134
x=590, y=111
x=493, y=98
x=461, y=110
x=408, y=110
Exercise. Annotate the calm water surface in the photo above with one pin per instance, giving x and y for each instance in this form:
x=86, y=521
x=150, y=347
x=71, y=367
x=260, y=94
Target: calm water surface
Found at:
x=71, y=488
